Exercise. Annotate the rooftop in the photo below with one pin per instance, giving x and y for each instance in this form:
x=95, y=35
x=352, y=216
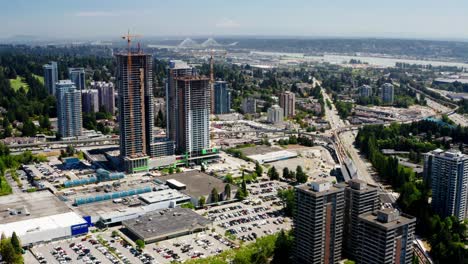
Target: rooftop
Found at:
x=165, y=222
x=322, y=189
x=198, y=183
x=161, y=196
x=31, y=205
x=450, y=154
x=42, y=224
x=387, y=218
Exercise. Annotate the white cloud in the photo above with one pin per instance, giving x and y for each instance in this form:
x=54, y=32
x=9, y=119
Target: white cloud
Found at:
x=96, y=14
x=227, y=23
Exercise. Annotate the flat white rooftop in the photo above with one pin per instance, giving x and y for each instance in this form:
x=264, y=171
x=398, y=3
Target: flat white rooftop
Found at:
x=176, y=183
x=162, y=196
x=273, y=156
x=41, y=224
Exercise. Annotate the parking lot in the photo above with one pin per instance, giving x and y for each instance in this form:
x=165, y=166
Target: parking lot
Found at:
x=193, y=246
x=258, y=216
x=77, y=250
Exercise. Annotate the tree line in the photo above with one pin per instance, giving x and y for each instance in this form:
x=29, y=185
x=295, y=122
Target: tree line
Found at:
x=446, y=236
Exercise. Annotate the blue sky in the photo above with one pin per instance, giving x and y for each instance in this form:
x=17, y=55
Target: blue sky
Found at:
x=341, y=18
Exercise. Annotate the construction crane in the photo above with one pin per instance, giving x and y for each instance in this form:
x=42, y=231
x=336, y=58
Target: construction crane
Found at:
x=129, y=39
x=212, y=82
x=211, y=67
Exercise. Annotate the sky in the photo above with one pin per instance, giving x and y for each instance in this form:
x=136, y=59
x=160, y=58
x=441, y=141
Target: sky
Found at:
x=433, y=19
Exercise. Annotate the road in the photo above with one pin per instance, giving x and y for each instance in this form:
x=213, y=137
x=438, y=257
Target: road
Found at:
x=442, y=109
x=345, y=141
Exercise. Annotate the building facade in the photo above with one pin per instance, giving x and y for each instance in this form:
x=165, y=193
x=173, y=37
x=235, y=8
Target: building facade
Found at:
x=78, y=77
x=275, y=114
x=360, y=198
x=106, y=93
x=249, y=105
x=365, y=91
x=388, y=93
x=318, y=224
x=287, y=102
x=162, y=147
x=222, y=98
x=69, y=116
x=447, y=171
x=193, y=99
x=50, y=76
x=176, y=69
x=385, y=237
x=135, y=103
x=90, y=100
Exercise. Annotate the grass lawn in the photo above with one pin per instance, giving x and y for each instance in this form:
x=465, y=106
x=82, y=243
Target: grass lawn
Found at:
x=4, y=187
x=18, y=83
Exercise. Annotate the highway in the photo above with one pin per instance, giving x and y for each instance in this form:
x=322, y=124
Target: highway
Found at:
x=344, y=140
x=101, y=141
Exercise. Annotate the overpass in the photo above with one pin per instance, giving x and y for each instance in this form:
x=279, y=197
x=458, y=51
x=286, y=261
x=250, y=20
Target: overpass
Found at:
x=73, y=142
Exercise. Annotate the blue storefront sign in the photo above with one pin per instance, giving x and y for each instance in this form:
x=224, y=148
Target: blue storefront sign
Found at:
x=79, y=229
x=88, y=220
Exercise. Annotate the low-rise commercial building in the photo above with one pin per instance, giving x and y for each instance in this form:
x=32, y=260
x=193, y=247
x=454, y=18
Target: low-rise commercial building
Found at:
x=47, y=228
x=166, y=224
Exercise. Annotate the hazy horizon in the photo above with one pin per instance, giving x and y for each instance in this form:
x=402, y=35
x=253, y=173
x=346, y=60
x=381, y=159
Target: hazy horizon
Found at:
x=87, y=19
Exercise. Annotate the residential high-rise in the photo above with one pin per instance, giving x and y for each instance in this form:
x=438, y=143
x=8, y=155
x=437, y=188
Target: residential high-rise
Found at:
x=68, y=109
x=318, y=224
x=106, y=93
x=135, y=103
x=447, y=171
x=176, y=69
x=222, y=98
x=275, y=114
x=360, y=198
x=193, y=112
x=365, y=91
x=287, y=101
x=77, y=76
x=385, y=237
x=387, y=93
x=90, y=100
x=249, y=105
x=50, y=76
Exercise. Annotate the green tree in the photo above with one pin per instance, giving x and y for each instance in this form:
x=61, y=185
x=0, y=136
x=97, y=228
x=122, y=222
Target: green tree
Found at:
x=286, y=173
x=7, y=129
x=214, y=195
x=227, y=191
x=301, y=176
x=140, y=244
x=29, y=129
x=201, y=201
x=44, y=122
x=8, y=252
x=258, y=169
x=16, y=243
x=273, y=174
x=228, y=178
x=289, y=201
x=283, y=248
